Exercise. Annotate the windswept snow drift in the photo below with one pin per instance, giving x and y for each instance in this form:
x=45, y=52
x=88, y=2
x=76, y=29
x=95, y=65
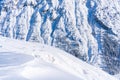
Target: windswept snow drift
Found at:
x=20, y=60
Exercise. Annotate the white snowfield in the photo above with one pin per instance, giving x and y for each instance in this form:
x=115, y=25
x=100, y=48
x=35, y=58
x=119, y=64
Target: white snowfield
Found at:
x=20, y=60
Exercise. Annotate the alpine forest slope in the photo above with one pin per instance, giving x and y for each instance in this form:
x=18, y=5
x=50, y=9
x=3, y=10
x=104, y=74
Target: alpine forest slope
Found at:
x=35, y=61
x=87, y=29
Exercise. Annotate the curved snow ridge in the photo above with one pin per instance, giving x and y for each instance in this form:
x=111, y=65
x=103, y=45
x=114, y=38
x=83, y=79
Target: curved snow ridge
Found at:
x=47, y=72
x=48, y=64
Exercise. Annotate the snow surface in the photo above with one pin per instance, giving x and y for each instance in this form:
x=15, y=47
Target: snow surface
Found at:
x=20, y=60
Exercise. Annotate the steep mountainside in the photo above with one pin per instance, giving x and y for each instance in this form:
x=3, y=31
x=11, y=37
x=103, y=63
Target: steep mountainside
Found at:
x=88, y=29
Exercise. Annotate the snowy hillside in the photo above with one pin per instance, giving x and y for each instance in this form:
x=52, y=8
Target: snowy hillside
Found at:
x=21, y=60
x=88, y=29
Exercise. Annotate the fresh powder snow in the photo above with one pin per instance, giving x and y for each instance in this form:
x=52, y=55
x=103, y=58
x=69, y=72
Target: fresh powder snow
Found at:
x=20, y=60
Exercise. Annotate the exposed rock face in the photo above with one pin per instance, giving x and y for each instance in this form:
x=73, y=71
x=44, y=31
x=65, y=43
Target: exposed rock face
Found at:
x=88, y=29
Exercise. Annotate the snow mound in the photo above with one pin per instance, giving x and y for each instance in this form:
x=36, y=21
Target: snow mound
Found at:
x=20, y=60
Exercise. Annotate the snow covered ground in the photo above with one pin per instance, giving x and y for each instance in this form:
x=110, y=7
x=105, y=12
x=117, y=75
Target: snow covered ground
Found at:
x=20, y=60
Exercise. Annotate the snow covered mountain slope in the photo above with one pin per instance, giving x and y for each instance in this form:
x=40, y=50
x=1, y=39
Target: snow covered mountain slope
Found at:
x=88, y=29
x=20, y=60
